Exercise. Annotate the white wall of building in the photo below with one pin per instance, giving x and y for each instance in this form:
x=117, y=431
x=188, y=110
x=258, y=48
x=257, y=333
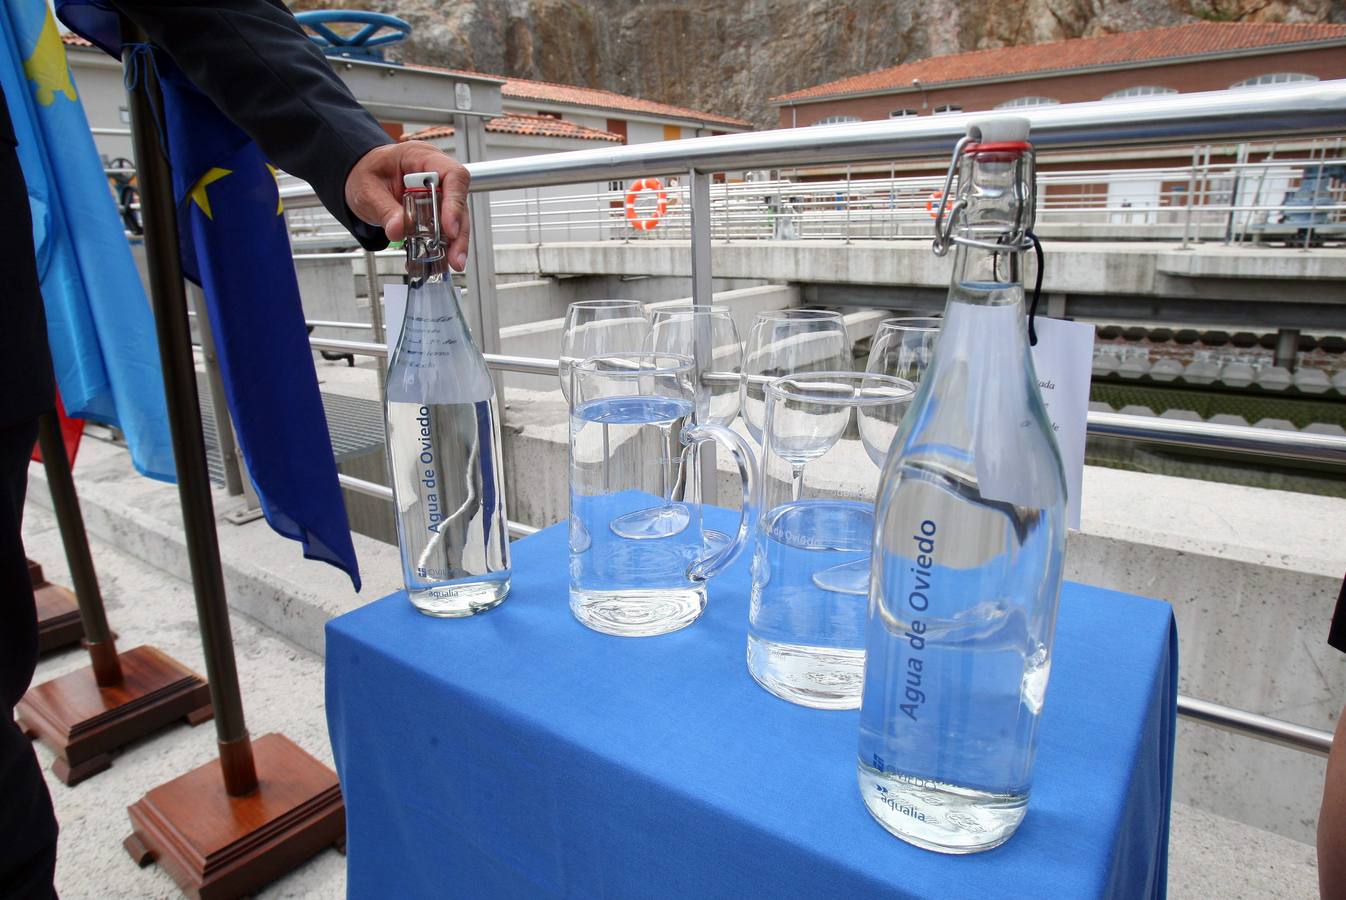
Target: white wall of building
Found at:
x=98, y=81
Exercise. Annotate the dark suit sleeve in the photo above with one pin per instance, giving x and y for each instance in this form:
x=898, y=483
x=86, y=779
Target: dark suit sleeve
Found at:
x=252, y=58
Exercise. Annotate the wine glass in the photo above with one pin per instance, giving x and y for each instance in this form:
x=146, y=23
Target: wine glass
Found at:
x=789, y=342
x=809, y=415
x=674, y=331
x=880, y=402
x=593, y=327
x=903, y=347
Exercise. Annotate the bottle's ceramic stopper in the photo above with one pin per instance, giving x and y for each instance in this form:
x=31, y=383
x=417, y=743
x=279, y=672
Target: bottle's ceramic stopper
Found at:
x=420, y=180
x=999, y=129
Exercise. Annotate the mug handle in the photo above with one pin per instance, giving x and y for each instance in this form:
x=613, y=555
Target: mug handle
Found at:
x=710, y=566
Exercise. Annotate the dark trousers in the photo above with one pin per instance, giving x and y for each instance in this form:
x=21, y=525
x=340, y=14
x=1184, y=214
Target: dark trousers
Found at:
x=27, y=822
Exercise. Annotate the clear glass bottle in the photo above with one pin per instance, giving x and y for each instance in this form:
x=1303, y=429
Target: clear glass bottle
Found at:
x=443, y=435
x=969, y=539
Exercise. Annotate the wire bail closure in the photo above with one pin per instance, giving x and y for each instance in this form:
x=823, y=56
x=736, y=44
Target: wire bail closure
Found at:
x=946, y=219
x=423, y=247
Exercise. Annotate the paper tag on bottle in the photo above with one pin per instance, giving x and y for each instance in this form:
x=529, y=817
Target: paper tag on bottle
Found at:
x=1064, y=361
x=442, y=376
x=394, y=308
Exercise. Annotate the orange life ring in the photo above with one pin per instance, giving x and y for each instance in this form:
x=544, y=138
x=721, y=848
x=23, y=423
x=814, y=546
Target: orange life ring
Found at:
x=661, y=205
x=930, y=202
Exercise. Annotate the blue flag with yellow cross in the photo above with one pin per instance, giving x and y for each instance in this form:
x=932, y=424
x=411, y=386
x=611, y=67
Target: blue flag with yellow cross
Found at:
x=99, y=323
x=236, y=245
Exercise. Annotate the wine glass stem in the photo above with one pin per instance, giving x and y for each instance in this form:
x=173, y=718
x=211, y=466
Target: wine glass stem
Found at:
x=796, y=482
x=607, y=459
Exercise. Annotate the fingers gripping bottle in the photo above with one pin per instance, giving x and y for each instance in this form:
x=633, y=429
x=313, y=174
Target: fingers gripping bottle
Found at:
x=969, y=538
x=443, y=434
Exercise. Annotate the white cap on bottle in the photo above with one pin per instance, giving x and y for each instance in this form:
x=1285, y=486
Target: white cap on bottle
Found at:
x=996, y=130
x=420, y=180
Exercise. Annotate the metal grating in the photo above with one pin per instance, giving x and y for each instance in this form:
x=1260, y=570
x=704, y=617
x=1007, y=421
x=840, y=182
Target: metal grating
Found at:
x=354, y=424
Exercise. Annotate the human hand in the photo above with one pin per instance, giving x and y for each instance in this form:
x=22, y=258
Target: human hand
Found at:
x=374, y=192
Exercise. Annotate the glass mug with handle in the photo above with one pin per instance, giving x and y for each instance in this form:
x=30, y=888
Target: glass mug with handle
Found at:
x=631, y=428
x=675, y=330
x=815, y=529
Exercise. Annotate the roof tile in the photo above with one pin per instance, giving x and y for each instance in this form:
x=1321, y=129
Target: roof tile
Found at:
x=1177, y=42
x=514, y=123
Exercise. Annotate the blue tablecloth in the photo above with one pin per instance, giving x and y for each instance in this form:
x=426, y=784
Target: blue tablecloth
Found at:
x=518, y=754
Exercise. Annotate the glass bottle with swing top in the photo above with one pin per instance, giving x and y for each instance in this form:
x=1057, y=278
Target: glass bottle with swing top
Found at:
x=443, y=434
x=969, y=538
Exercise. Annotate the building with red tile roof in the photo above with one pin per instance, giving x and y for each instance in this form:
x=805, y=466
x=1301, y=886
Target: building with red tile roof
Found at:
x=633, y=119
x=527, y=126
x=1199, y=56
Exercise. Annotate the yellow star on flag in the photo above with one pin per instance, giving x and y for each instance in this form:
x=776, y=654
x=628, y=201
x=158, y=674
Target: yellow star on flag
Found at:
x=198, y=191
x=280, y=204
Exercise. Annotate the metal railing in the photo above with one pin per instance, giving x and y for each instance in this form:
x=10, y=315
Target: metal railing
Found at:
x=1319, y=108
x=1226, y=201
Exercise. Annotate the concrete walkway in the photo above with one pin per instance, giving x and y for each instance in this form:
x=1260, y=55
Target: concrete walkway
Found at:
x=283, y=690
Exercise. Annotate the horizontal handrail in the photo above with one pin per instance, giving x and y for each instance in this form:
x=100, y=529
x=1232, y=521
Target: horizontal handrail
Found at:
x=1250, y=724
x=1204, y=116
x=1268, y=442
x=383, y=492
x=1279, y=111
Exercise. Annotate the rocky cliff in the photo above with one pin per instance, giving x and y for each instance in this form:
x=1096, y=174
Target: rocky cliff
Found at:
x=731, y=57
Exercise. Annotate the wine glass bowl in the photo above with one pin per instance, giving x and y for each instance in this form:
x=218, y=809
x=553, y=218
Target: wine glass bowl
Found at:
x=789, y=342
x=594, y=327
x=675, y=330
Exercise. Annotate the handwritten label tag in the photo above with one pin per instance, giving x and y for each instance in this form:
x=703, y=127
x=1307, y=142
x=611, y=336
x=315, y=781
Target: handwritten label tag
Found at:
x=394, y=308
x=1064, y=358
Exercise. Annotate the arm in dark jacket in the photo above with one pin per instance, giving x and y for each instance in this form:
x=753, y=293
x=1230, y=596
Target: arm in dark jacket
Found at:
x=252, y=58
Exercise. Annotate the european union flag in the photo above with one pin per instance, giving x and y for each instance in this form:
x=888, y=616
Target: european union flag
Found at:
x=99, y=323
x=235, y=244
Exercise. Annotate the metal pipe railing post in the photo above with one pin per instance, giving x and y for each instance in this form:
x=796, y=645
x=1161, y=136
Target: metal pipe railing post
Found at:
x=703, y=296
x=375, y=289
x=224, y=427
x=184, y=415
x=107, y=669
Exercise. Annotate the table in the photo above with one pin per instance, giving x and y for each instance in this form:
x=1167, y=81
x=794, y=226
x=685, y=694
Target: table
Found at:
x=518, y=754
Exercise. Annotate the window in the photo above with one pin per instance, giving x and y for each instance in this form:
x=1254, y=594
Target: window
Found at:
x=948, y=108
x=1273, y=78
x=1140, y=90
x=617, y=127
x=125, y=115
x=1027, y=101
x=837, y=120
x=903, y=113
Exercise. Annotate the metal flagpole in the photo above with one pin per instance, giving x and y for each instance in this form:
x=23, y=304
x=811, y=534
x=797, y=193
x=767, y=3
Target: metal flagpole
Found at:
x=86, y=714
x=107, y=668
x=169, y=300
x=213, y=842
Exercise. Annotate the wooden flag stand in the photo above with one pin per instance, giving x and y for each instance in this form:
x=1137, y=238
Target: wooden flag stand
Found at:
x=58, y=623
x=120, y=697
x=223, y=829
